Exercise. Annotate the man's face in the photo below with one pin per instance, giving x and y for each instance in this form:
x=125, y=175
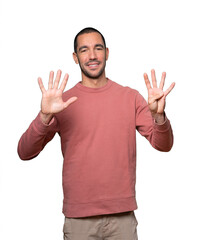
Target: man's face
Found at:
x=91, y=55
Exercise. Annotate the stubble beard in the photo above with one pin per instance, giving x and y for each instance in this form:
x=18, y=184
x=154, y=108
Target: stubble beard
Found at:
x=87, y=74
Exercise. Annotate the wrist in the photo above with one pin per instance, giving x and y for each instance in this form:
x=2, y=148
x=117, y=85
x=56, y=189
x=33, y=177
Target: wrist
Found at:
x=159, y=117
x=46, y=118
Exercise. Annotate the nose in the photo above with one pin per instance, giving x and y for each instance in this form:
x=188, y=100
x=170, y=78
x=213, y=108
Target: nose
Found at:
x=92, y=55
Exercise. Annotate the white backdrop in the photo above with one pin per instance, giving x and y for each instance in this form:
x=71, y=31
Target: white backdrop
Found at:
x=174, y=190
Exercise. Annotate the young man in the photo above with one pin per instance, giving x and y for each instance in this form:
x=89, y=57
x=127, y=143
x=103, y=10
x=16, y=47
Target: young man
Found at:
x=97, y=121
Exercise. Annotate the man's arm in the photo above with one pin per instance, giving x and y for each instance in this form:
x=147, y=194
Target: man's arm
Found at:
x=151, y=120
x=36, y=137
x=159, y=135
x=44, y=127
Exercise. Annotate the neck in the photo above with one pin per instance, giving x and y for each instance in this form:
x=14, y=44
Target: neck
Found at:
x=94, y=82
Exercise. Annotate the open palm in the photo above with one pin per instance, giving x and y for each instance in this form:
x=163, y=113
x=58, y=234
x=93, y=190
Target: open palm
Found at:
x=52, y=101
x=156, y=96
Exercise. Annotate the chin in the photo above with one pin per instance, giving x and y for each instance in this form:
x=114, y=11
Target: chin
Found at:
x=93, y=76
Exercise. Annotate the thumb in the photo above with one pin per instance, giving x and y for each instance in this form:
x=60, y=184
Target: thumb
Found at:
x=155, y=98
x=69, y=101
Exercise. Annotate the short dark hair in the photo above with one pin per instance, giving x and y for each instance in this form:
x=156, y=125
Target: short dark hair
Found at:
x=87, y=30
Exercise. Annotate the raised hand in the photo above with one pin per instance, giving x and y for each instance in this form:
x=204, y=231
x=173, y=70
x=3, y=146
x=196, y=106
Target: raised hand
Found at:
x=156, y=96
x=52, y=101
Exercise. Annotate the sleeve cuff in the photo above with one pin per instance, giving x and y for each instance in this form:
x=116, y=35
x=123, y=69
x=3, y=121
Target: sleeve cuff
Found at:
x=41, y=127
x=162, y=127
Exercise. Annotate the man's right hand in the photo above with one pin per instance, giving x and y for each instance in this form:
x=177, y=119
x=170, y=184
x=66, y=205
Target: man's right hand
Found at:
x=52, y=101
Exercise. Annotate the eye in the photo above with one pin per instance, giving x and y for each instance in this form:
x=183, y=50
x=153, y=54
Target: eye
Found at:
x=83, y=49
x=99, y=48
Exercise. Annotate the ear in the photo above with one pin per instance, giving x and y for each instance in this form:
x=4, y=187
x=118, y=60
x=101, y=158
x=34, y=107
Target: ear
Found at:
x=75, y=58
x=107, y=53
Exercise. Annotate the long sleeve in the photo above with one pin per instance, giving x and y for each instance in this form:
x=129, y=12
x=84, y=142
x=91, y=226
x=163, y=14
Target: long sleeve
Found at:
x=36, y=137
x=98, y=143
x=160, y=136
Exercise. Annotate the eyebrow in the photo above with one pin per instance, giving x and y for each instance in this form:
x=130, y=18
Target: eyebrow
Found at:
x=97, y=45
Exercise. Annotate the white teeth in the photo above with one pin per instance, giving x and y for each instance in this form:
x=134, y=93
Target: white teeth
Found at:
x=93, y=65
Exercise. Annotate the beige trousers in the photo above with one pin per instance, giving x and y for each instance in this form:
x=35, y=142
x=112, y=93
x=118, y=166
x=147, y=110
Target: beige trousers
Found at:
x=119, y=226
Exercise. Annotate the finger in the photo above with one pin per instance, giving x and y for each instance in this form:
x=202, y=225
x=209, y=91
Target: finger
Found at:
x=41, y=85
x=50, y=83
x=69, y=101
x=154, y=82
x=64, y=82
x=169, y=89
x=162, y=80
x=58, y=76
x=147, y=82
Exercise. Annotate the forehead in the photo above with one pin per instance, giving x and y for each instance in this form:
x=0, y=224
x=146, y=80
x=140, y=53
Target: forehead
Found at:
x=89, y=39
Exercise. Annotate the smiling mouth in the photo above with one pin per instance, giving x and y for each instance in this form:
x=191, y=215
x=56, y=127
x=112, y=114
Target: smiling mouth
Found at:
x=93, y=65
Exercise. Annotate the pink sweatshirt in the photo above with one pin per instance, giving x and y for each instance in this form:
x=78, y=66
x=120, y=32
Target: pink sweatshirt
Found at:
x=98, y=142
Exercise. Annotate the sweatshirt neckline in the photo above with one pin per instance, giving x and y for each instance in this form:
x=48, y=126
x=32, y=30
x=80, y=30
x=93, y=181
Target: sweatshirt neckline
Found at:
x=94, y=90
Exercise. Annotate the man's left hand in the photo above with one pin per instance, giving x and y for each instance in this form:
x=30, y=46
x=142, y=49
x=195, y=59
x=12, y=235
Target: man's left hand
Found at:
x=156, y=96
